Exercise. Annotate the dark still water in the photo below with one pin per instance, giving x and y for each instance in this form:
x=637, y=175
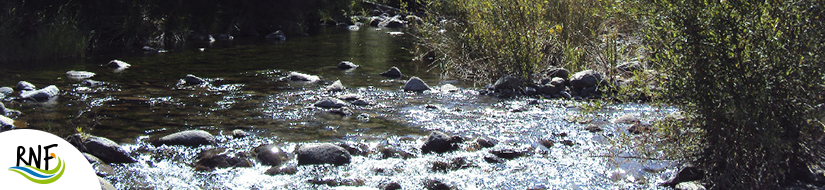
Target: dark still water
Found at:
x=246, y=91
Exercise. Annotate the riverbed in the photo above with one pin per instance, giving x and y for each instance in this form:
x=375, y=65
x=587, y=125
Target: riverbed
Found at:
x=246, y=92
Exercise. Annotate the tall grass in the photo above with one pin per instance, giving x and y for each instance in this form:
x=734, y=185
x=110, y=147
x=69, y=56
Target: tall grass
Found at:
x=482, y=40
x=45, y=34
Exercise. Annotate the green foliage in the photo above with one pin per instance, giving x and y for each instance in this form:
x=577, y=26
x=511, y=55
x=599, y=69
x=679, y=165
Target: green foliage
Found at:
x=751, y=74
x=469, y=37
x=46, y=33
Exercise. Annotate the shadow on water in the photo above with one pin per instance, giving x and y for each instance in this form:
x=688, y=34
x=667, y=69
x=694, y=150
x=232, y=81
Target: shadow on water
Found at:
x=245, y=91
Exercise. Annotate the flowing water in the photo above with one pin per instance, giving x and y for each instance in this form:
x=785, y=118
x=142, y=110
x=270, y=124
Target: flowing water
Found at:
x=246, y=92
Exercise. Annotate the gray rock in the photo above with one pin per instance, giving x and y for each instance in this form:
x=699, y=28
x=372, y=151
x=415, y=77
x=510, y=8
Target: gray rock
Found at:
x=349, y=97
x=237, y=133
x=301, y=77
x=361, y=102
x=344, y=111
x=7, y=112
x=218, y=158
x=24, y=86
x=629, y=67
x=554, y=72
x=190, y=138
x=6, y=90
x=118, y=64
x=687, y=173
x=392, y=73
x=101, y=147
x=485, y=142
x=104, y=184
x=548, y=89
x=79, y=75
x=331, y=103
x=324, y=153
x=587, y=79
x=626, y=119
x=335, y=87
x=509, y=153
x=558, y=82
x=101, y=167
x=507, y=82
x=44, y=94
x=439, y=142
x=391, y=186
x=190, y=79
x=271, y=155
x=344, y=65
x=283, y=170
x=375, y=20
x=448, y=88
x=415, y=84
x=6, y=123
x=91, y=83
x=690, y=185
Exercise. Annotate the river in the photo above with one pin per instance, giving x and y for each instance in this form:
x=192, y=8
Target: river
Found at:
x=246, y=92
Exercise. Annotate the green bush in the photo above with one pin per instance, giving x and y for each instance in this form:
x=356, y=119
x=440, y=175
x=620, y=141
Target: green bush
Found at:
x=750, y=73
x=470, y=37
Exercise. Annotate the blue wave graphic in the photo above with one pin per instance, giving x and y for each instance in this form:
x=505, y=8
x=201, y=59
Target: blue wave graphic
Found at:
x=31, y=172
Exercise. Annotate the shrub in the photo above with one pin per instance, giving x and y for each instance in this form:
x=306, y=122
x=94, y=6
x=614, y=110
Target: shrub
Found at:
x=751, y=72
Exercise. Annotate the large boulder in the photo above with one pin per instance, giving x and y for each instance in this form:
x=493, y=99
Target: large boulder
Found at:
x=415, y=84
x=392, y=73
x=24, y=86
x=586, y=82
x=190, y=138
x=331, y=103
x=101, y=147
x=190, y=79
x=44, y=94
x=439, y=142
x=507, y=82
x=324, y=153
x=271, y=155
x=344, y=65
x=301, y=77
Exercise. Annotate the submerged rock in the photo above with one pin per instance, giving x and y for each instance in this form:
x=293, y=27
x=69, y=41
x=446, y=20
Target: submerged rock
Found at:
x=439, y=142
x=335, y=87
x=193, y=80
x=390, y=186
x=301, y=77
x=24, y=86
x=271, y=155
x=101, y=147
x=282, y=170
x=432, y=184
x=44, y=94
x=324, y=153
x=91, y=83
x=190, y=138
x=392, y=73
x=344, y=65
x=216, y=158
x=331, y=103
x=509, y=153
x=485, y=142
x=415, y=84
x=79, y=75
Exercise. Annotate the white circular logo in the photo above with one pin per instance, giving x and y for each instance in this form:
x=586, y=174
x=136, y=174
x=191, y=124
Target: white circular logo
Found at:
x=33, y=159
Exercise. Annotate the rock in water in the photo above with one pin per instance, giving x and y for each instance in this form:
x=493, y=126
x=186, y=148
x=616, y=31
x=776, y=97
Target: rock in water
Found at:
x=6, y=123
x=586, y=81
x=101, y=147
x=507, y=82
x=296, y=76
x=324, y=153
x=439, y=142
x=335, y=87
x=344, y=65
x=415, y=84
x=118, y=64
x=271, y=155
x=392, y=73
x=79, y=75
x=448, y=88
x=44, y=94
x=331, y=103
x=24, y=86
x=190, y=138
x=193, y=80
x=91, y=83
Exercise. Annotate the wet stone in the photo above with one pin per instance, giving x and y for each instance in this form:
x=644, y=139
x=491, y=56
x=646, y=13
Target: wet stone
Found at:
x=357, y=149
x=626, y=119
x=91, y=83
x=301, y=77
x=432, y=184
x=391, y=186
x=324, y=153
x=331, y=103
x=639, y=128
x=335, y=87
x=79, y=75
x=283, y=170
x=486, y=142
x=593, y=128
x=24, y=86
x=509, y=153
x=237, y=133
x=271, y=155
x=493, y=159
x=568, y=142
x=344, y=111
x=190, y=79
x=449, y=88
x=191, y=138
x=44, y=94
x=104, y=184
x=392, y=73
x=415, y=84
x=394, y=152
x=217, y=158
x=117, y=64
x=344, y=65
x=101, y=147
x=439, y=142
x=546, y=143
x=6, y=123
